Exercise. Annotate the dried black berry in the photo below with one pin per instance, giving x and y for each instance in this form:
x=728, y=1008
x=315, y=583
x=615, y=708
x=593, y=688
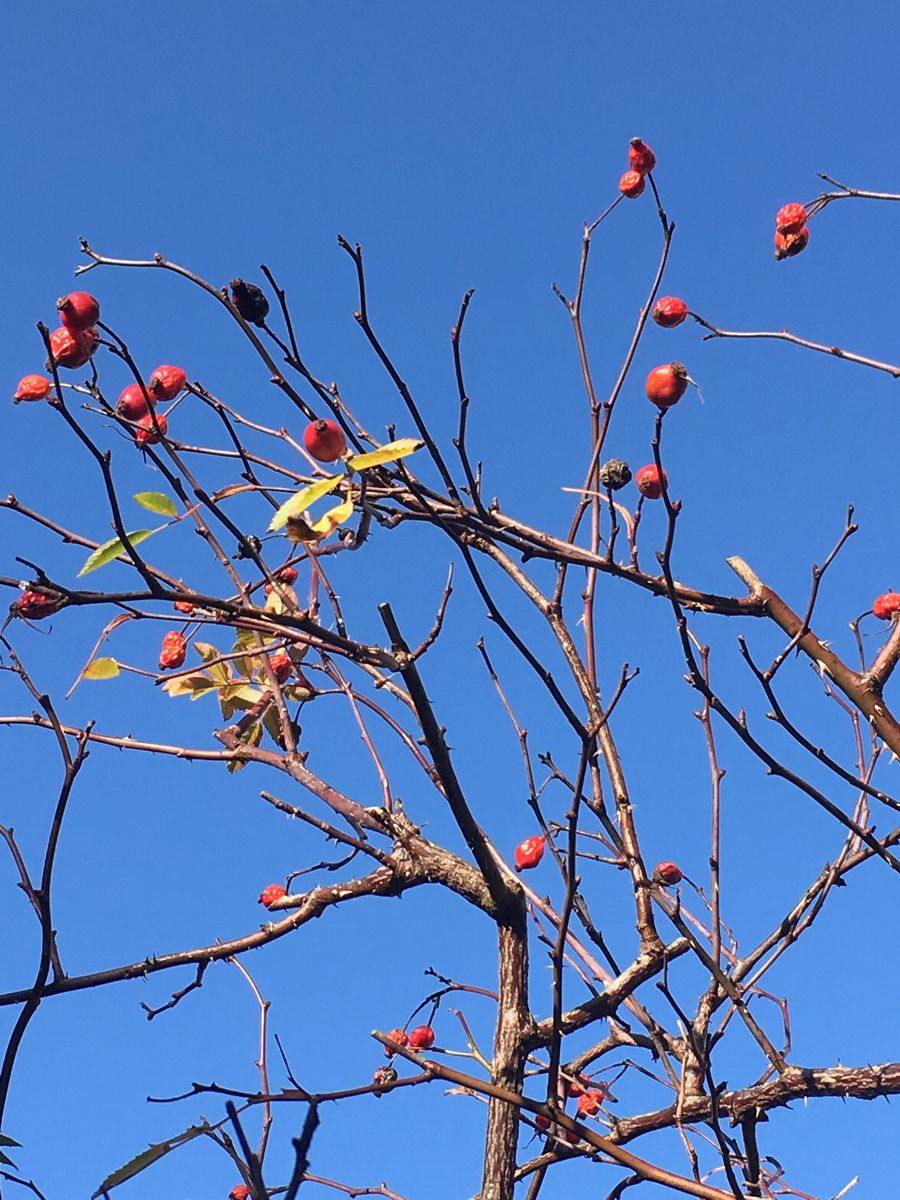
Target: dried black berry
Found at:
x=614, y=474
x=250, y=302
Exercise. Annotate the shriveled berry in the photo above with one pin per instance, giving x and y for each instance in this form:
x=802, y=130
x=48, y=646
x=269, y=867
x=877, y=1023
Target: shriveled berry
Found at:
x=281, y=666
x=240, y=1191
x=184, y=606
x=790, y=218
x=650, y=483
x=789, y=244
x=669, y=311
x=885, y=606
x=614, y=474
x=530, y=852
x=640, y=157
x=78, y=311
x=400, y=1037
x=250, y=301
x=132, y=403
x=577, y=1087
x=421, y=1038
x=324, y=440
x=70, y=349
x=148, y=433
x=631, y=184
x=174, y=648
x=382, y=1077
x=590, y=1102
x=35, y=604
x=667, y=384
x=270, y=894
x=166, y=382
x=667, y=873
x=32, y=387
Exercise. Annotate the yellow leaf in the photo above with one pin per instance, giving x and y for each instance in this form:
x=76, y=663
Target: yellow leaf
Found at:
x=101, y=668
x=301, y=501
x=189, y=685
x=387, y=453
x=329, y=521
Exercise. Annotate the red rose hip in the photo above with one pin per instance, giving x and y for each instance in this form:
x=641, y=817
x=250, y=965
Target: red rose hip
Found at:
x=667, y=874
x=324, y=440
x=789, y=244
x=132, y=403
x=790, y=218
x=631, y=184
x=147, y=434
x=35, y=604
x=650, y=483
x=669, y=311
x=71, y=349
x=166, y=382
x=270, y=894
x=32, y=387
x=590, y=1102
x=240, y=1191
x=281, y=666
x=78, y=311
x=530, y=852
x=641, y=157
x=667, y=384
x=886, y=605
x=173, y=651
x=421, y=1038
x=400, y=1037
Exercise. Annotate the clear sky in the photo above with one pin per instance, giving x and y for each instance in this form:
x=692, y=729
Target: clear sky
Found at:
x=463, y=144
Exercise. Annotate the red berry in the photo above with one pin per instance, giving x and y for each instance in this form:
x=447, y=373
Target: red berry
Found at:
x=885, y=606
x=589, y=1102
x=542, y=1121
x=240, y=1191
x=71, y=349
x=631, y=184
x=571, y=1136
x=287, y=575
x=791, y=218
x=147, y=433
x=669, y=873
x=132, y=403
x=32, y=387
x=649, y=483
x=667, y=384
x=641, y=157
x=166, y=382
x=530, y=852
x=282, y=666
x=789, y=244
x=576, y=1087
x=324, y=440
x=35, y=604
x=398, y=1036
x=174, y=647
x=669, y=311
x=270, y=894
x=78, y=311
x=422, y=1037
x=184, y=606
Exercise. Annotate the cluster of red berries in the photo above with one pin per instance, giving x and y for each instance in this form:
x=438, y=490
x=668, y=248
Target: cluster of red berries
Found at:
x=641, y=160
x=590, y=1101
x=791, y=231
x=287, y=575
x=420, y=1038
x=137, y=403
x=71, y=345
x=324, y=441
x=885, y=607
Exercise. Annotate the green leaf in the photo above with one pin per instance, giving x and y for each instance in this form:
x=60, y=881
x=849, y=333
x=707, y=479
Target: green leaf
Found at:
x=112, y=549
x=157, y=502
x=301, y=501
x=252, y=737
x=145, y=1159
x=101, y=668
x=390, y=452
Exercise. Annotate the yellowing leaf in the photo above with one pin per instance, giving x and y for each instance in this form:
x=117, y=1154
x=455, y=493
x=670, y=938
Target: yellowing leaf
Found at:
x=157, y=502
x=387, y=453
x=112, y=549
x=189, y=685
x=329, y=521
x=301, y=501
x=218, y=670
x=101, y=668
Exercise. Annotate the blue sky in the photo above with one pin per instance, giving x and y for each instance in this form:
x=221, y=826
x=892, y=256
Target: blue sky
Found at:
x=463, y=145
